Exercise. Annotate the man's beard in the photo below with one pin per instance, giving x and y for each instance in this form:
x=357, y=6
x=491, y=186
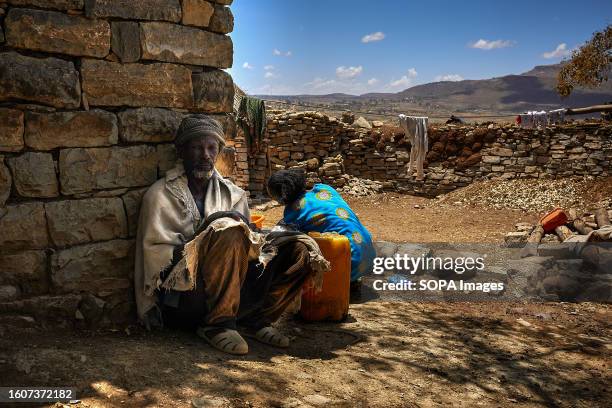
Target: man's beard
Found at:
x=201, y=174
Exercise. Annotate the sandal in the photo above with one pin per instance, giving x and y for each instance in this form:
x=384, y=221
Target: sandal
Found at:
x=270, y=336
x=228, y=341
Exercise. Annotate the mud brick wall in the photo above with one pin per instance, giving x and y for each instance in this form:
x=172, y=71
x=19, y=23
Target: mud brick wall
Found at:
x=91, y=93
x=458, y=155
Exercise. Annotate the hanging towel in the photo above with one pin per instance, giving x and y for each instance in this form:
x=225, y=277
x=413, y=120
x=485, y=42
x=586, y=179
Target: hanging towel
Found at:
x=415, y=128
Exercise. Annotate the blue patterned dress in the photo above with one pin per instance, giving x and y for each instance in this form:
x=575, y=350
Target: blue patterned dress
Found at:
x=322, y=209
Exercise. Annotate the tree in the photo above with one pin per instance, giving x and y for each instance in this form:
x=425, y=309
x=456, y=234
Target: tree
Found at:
x=589, y=66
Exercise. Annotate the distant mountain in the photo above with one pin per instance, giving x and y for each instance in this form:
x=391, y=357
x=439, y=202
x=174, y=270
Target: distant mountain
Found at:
x=534, y=89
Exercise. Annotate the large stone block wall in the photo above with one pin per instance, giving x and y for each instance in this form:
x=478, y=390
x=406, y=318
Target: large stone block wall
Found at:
x=91, y=93
x=458, y=155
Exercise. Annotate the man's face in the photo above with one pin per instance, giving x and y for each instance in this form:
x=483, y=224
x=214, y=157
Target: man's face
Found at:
x=199, y=156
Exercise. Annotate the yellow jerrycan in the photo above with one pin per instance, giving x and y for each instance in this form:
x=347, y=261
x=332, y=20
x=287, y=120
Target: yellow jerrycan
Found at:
x=332, y=302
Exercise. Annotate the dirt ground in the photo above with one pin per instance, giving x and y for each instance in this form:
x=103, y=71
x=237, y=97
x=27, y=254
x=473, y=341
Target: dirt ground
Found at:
x=386, y=354
x=402, y=218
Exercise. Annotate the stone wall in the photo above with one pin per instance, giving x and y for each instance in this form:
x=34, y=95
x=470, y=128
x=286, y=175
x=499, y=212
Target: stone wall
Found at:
x=91, y=93
x=331, y=150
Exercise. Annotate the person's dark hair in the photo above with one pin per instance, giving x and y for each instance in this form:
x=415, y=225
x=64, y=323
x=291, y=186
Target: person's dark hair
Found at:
x=286, y=186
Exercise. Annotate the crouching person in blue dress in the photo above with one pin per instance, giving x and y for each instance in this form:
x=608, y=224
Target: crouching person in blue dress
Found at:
x=322, y=209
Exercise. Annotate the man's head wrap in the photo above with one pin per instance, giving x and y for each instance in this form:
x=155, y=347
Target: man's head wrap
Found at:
x=199, y=126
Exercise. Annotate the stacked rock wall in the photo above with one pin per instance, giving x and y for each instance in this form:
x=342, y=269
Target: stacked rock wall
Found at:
x=457, y=156
x=91, y=93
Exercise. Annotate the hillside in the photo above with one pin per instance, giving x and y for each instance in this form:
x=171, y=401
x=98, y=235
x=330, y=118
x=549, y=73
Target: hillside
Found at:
x=534, y=89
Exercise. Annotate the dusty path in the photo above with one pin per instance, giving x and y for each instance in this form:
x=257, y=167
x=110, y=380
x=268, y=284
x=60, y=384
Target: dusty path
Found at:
x=385, y=355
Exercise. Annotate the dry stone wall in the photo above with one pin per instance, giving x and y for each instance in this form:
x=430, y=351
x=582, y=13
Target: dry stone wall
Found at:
x=91, y=93
x=333, y=151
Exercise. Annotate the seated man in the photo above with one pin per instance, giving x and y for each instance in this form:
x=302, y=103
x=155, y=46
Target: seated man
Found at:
x=193, y=251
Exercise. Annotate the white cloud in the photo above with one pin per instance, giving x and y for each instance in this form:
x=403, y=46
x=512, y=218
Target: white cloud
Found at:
x=559, y=52
x=348, y=72
x=490, y=45
x=280, y=53
x=372, y=81
x=268, y=67
x=246, y=65
x=377, y=36
x=270, y=75
x=405, y=80
x=448, y=77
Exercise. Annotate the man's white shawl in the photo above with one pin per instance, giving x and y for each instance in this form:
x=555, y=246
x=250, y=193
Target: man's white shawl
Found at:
x=169, y=217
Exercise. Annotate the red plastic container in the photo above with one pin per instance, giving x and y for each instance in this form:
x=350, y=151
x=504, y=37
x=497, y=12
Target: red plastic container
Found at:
x=553, y=219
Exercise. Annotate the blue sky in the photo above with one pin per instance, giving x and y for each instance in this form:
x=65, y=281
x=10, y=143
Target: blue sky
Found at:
x=353, y=46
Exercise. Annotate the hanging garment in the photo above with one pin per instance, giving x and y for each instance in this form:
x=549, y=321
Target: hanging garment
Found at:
x=540, y=119
x=252, y=119
x=533, y=119
x=526, y=120
x=415, y=128
x=556, y=117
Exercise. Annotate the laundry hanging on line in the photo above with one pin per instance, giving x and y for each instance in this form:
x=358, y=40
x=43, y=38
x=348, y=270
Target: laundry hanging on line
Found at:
x=415, y=128
x=539, y=119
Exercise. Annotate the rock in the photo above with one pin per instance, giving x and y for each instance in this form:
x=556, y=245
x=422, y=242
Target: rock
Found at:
x=213, y=91
x=156, y=85
x=8, y=293
x=52, y=31
x=125, y=40
x=165, y=10
x=5, y=183
x=500, y=151
x=84, y=170
x=34, y=175
x=47, y=131
x=524, y=227
x=132, y=201
x=377, y=123
x=222, y=20
x=91, y=308
x=91, y=267
x=152, y=125
x=185, y=45
x=491, y=159
x=224, y=2
x=81, y=221
x=471, y=160
x=348, y=118
x=49, y=81
x=11, y=130
x=317, y=400
x=24, y=227
x=166, y=154
x=49, y=4
x=197, y=12
x=362, y=123
x=516, y=239
x=27, y=269
x=556, y=250
x=59, y=309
